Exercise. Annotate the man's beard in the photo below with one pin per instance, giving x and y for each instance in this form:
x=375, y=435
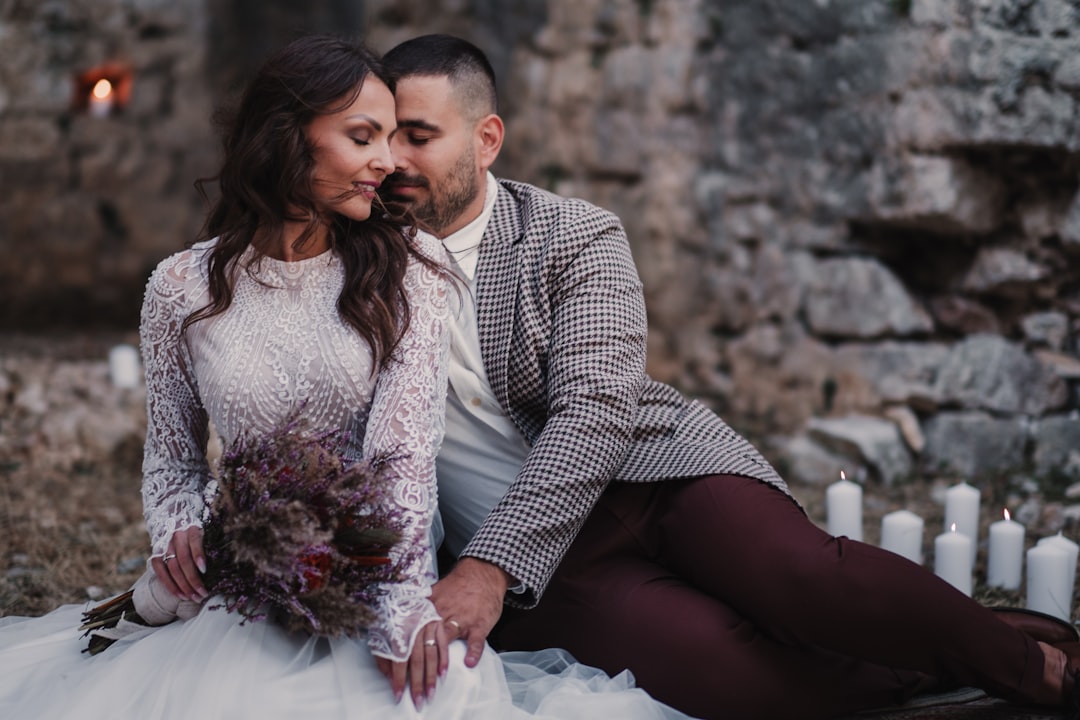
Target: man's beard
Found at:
x=445, y=205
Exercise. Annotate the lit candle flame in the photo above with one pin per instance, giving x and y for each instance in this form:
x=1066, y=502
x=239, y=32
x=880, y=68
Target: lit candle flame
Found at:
x=1007, y=516
x=952, y=528
x=842, y=476
x=102, y=89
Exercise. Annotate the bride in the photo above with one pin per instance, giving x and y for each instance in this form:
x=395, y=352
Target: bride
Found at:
x=300, y=299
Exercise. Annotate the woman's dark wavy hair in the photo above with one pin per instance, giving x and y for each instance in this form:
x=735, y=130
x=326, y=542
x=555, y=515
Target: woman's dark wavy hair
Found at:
x=267, y=173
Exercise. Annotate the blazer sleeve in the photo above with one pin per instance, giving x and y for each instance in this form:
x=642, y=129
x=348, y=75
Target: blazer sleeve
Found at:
x=587, y=315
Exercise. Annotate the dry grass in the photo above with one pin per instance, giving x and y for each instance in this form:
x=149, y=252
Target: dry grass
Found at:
x=70, y=537
x=71, y=527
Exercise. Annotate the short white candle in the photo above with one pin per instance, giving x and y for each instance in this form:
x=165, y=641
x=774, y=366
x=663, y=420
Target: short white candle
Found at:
x=124, y=368
x=952, y=559
x=1006, y=554
x=1072, y=550
x=962, y=510
x=1047, y=580
x=843, y=508
x=902, y=533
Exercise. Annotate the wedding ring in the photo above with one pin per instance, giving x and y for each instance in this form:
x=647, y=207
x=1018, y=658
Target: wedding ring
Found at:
x=429, y=643
x=167, y=558
x=456, y=625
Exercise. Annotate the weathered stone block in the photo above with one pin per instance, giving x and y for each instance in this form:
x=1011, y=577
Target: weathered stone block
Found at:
x=806, y=461
x=1055, y=438
x=1046, y=328
x=972, y=444
x=900, y=373
x=855, y=297
x=964, y=315
x=874, y=441
x=1070, y=225
x=989, y=372
x=937, y=193
x=1000, y=269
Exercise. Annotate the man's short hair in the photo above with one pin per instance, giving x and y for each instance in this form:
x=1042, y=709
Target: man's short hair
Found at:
x=466, y=66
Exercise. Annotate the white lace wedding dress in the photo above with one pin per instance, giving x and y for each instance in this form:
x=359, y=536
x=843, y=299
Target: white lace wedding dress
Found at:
x=281, y=347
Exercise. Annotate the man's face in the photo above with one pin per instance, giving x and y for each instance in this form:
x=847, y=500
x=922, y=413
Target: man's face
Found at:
x=437, y=175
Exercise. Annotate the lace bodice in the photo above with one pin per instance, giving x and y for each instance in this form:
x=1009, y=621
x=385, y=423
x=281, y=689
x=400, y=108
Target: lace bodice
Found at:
x=281, y=347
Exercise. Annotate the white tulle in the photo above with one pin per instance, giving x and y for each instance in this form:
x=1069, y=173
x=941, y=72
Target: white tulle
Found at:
x=279, y=348
x=211, y=667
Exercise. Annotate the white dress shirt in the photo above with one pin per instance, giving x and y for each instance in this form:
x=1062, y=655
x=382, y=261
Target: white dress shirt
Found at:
x=482, y=451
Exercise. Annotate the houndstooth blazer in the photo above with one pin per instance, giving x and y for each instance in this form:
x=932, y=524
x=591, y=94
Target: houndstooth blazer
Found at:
x=563, y=328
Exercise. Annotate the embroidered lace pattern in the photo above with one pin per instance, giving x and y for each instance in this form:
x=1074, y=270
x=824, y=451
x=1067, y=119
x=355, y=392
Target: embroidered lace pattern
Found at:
x=280, y=347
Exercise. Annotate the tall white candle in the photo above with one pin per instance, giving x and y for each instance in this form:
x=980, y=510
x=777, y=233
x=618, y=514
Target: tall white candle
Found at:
x=902, y=533
x=962, y=510
x=1072, y=550
x=952, y=559
x=1006, y=555
x=1047, y=580
x=843, y=508
x=124, y=368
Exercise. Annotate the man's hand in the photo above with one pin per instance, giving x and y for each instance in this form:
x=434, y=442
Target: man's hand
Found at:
x=470, y=600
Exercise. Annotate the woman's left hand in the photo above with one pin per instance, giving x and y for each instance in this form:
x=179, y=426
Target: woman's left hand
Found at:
x=426, y=664
x=180, y=569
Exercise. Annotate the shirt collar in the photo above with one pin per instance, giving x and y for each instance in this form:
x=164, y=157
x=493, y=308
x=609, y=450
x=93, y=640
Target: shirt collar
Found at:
x=463, y=246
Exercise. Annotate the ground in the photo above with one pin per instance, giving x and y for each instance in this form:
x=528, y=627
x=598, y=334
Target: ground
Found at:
x=71, y=527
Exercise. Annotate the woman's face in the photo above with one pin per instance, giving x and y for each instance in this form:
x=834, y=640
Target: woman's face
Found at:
x=351, y=149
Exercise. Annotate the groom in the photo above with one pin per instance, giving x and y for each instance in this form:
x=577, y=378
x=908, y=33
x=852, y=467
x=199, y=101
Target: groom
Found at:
x=592, y=508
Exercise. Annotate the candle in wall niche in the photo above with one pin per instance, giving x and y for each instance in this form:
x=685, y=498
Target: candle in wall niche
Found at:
x=952, y=559
x=1072, y=550
x=1006, y=560
x=1047, y=580
x=962, y=510
x=843, y=508
x=124, y=368
x=101, y=98
x=902, y=533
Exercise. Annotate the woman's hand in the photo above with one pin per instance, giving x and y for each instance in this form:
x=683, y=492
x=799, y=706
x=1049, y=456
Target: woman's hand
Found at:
x=180, y=569
x=427, y=663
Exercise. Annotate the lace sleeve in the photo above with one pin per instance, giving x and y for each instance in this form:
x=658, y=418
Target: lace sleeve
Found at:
x=407, y=419
x=175, y=469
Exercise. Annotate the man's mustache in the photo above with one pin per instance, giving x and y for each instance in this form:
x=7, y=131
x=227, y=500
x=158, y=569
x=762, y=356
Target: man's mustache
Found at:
x=400, y=178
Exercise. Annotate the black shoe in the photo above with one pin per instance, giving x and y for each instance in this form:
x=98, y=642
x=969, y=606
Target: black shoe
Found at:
x=1040, y=626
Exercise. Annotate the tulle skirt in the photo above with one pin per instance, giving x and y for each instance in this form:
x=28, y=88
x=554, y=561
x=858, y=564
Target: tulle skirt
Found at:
x=212, y=666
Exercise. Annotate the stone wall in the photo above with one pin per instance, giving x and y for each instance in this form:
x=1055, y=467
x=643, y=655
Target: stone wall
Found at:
x=857, y=220
x=91, y=204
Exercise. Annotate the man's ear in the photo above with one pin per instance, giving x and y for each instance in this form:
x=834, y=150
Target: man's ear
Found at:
x=489, y=140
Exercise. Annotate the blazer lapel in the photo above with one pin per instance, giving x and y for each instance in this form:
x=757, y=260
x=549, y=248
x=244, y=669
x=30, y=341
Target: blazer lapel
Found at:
x=497, y=290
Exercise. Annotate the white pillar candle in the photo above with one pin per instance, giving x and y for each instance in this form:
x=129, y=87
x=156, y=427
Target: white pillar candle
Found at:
x=962, y=510
x=124, y=368
x=1047, y=578
x=1072, y=550
x=1006, y=554
x=843, y=508
x=952, y=559
x=902, y=533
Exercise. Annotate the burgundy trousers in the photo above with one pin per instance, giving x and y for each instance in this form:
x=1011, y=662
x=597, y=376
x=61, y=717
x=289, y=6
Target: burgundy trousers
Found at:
x=726, y=601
